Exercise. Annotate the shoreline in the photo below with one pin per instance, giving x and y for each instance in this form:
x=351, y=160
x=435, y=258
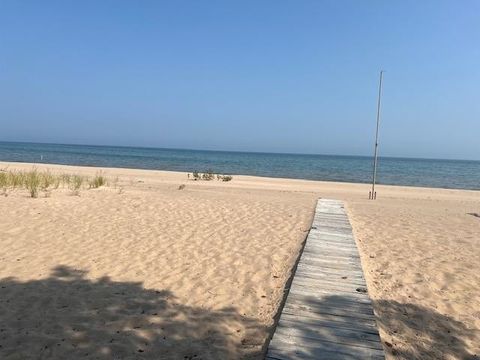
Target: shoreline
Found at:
x=259, y=178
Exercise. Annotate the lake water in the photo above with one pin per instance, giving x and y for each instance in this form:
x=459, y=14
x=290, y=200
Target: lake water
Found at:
x=455, y=174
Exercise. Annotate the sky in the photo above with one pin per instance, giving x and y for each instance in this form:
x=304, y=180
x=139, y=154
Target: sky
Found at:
x=273, y=76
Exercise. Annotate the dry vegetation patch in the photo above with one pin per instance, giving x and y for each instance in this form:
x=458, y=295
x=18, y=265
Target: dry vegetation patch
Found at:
x=35, y=181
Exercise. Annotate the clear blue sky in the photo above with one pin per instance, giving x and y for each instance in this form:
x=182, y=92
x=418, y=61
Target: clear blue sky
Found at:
x=280, y=76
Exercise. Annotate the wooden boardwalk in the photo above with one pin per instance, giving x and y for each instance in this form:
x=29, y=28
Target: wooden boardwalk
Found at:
x=327, y=314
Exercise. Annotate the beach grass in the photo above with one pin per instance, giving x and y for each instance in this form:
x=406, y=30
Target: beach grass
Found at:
x=35, y=181
x=32, y=182
x=76, y=182
x=16, y=179
x=97, y=181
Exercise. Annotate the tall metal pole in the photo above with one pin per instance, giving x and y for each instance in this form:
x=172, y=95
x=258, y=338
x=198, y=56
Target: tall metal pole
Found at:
x=373, y=194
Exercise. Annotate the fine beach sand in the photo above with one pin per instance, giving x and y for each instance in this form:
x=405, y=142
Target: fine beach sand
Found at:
x=143, y=269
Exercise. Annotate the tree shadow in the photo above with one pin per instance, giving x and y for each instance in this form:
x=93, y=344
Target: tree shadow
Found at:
x=68, y=316
x=341, y=326
x=326, y=327
x=428, y=334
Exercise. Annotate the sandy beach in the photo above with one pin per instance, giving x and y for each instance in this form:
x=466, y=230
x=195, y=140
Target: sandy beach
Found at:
x=144, y=266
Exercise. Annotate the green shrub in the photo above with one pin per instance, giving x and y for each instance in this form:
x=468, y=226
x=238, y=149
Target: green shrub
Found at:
x=208, y=175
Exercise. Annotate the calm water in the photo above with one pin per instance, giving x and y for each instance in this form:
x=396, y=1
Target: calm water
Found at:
x=393, y=171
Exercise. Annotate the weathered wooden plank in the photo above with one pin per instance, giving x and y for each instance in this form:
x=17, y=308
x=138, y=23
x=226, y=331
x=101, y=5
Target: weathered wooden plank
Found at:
x=337, y=247
x=328, y=321
x=328, y=279
x=312, y=267
x=326, y=296
x=331, y=250
x=355, y=309
x=332, y=292
x=337, y=335
x=329, y=258
x=302, y=348
x=330, y=285
x=330, y=265
x=336, y=273
x=327, y=314
x=321, y=234
x=327, y=250
x=328, y=238
x=347, y=235
x=329, y=223
x=330, y=255
x=324, y=257
x=300, y=287
x=303, y=310
x=319, y=259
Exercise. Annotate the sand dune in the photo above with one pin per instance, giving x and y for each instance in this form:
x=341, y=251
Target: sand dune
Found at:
x=142, y=268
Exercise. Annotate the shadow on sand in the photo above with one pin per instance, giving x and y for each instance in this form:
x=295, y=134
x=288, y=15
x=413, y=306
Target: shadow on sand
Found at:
x=433, y=335
x=428, y=334
x=69, y=316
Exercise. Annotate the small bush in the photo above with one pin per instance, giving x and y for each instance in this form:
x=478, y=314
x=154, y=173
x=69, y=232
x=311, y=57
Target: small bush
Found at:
x=181, y=187
x=208, y=175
